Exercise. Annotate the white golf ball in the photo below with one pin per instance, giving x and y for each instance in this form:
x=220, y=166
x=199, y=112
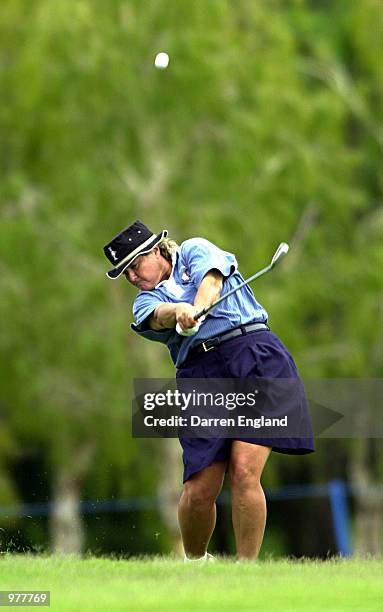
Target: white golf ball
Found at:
x=162, y=61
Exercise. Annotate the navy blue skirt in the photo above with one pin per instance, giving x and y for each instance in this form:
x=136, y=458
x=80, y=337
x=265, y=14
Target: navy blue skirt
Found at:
x=256, y=355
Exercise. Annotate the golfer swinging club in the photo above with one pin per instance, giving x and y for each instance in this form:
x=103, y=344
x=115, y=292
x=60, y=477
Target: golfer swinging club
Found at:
x=234, y=341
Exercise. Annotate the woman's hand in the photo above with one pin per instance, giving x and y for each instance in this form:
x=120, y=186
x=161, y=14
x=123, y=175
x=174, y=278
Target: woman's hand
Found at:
x=168, y=315
x=184, y=315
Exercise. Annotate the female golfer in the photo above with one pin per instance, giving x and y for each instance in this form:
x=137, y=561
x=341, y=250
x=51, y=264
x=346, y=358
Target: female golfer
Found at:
x=234, y=341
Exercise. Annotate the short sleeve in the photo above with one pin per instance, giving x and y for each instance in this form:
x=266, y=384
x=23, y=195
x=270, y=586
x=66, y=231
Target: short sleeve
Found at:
x=144, y=305
x=200, y=256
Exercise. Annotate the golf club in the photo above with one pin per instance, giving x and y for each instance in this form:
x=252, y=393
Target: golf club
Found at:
x=281, y=251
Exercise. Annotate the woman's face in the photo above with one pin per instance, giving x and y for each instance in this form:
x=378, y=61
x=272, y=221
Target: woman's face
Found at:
x=148, y=270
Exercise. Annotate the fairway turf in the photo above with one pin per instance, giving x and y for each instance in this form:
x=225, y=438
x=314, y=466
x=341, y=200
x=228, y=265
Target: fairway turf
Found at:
x=167, y=584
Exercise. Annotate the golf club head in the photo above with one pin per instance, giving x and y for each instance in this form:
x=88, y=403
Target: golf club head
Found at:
x=281, y=251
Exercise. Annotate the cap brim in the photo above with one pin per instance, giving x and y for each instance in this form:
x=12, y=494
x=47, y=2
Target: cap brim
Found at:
x=116, y=272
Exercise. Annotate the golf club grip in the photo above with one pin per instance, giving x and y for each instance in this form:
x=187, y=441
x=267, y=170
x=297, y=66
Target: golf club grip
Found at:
x=200, y=314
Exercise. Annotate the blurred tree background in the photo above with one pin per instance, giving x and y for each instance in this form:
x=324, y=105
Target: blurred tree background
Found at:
x=267, y=126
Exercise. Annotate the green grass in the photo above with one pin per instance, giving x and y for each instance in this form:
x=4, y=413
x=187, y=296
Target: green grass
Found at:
x=163, y=584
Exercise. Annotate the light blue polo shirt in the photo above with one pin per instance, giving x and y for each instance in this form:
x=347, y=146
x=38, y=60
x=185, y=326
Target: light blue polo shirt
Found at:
x=192, y=261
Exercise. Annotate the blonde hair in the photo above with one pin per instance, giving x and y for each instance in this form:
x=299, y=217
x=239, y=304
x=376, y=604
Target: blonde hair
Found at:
x=167, y=247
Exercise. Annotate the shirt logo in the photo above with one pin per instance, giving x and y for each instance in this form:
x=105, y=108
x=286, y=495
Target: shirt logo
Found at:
x=172, y=287
x=113, y=254
x=185, y=276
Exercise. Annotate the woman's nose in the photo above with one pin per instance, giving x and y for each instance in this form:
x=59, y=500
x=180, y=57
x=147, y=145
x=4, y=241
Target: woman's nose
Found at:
x=132, y=276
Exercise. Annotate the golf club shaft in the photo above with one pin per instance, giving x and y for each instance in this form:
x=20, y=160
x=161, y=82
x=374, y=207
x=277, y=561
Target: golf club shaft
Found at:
x=278, y=254
x=204, y=311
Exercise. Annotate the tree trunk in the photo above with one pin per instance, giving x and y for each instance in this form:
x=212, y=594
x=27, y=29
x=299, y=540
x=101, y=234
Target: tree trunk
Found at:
x=368, y=524
x=169, y=485
x=67, y=531
x=169, y=490
x=66, y=524
x=369, y=502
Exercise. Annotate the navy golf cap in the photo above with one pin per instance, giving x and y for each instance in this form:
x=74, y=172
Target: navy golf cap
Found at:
x=135, y=240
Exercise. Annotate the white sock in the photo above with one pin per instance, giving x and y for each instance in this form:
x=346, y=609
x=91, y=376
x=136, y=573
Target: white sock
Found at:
x=187, y=560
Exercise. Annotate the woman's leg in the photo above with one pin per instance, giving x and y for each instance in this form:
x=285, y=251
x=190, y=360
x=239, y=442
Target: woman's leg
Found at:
x=197, y=511
x=248, y=500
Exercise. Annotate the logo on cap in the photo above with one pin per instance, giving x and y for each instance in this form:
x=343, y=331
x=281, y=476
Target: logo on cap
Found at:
x=113, y=254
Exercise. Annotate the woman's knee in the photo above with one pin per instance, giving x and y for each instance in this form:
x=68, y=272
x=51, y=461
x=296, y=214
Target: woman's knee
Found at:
x=199, y=494
x=244, y=475
x=246, y=467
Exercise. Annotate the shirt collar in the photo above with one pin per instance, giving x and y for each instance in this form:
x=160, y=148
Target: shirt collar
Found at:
x=174, y=261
